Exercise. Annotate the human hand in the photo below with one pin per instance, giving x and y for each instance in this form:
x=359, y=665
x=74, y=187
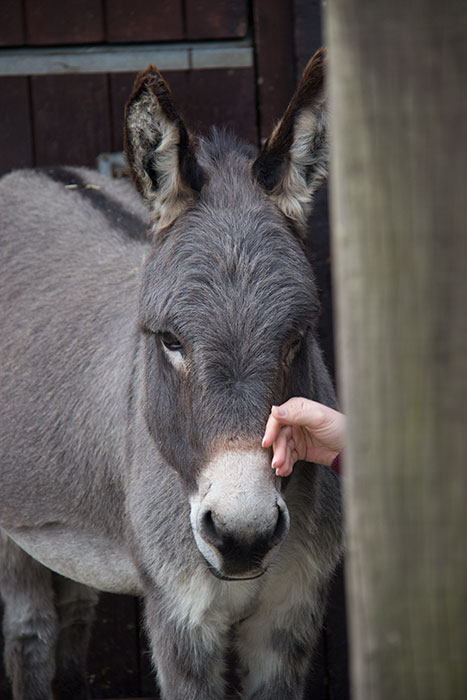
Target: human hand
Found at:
x=303, y=429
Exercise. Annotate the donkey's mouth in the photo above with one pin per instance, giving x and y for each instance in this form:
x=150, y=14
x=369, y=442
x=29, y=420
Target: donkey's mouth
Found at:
x=224, y=577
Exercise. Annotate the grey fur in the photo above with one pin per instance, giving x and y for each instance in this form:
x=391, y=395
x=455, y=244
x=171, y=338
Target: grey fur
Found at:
x=105, y=438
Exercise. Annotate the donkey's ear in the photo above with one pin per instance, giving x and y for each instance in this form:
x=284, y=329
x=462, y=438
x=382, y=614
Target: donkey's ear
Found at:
x=159, y=150
x=293, y=162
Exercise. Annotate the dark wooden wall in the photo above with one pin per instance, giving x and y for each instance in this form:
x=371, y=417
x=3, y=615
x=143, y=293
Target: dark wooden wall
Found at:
x=72, y=118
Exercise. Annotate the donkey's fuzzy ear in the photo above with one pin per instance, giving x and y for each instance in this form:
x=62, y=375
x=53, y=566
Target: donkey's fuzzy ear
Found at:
x=159, y=150
x=293, y=162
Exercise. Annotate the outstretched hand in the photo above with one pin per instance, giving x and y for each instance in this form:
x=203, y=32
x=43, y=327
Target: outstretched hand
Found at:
x=301, y=429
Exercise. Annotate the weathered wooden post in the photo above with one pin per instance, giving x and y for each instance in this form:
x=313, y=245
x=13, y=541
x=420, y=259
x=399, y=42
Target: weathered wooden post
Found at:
x=398, y=86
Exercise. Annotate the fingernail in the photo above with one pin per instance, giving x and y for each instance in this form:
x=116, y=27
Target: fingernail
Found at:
x=280, y=411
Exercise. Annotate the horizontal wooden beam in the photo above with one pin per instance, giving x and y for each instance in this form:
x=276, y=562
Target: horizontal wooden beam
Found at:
x=128, y=58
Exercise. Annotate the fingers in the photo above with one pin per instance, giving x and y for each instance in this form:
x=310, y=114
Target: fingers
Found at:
x=301, y=429
x=283, y=446
x=295, y=411
x=299, y=411
x=271, y=431
x=324, y=423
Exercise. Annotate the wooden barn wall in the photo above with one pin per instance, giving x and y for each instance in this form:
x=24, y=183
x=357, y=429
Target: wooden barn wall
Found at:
x=71, y=118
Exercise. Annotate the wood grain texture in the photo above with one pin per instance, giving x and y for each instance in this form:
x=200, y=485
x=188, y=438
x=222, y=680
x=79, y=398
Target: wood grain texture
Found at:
x=274, y=38
x=223, y=98
x=16, y=148
x=399, y=119
x=307, y=31
x=71, y=119
x=11, y=23
x=225, y=19
x=57, y=23
x=139, y=20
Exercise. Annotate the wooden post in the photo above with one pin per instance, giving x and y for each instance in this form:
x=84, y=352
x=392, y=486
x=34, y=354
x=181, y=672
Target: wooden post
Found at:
x=398, y=89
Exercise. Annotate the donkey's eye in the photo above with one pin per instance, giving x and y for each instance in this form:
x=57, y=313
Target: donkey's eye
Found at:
x=171, y=342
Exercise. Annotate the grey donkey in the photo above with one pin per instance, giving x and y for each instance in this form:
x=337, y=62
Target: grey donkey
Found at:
x=141, y=353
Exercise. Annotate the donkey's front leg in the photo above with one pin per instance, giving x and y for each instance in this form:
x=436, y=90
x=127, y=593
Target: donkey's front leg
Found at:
x=275, y=648
x=29, y=622
x=189, y=658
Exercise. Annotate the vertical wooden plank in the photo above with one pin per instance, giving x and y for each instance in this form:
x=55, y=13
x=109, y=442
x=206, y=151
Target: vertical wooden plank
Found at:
x=138, y=20
x=399, y=123
x=113, y=659
x=16, y=149
x=71, y=118
x=225, y=98
x=274, y=37
x=11, y=24
x=223, y=19
x=307, y=31
x=58, y=22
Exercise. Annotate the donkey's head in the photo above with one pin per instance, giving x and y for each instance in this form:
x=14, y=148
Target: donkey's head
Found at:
x=228, y=307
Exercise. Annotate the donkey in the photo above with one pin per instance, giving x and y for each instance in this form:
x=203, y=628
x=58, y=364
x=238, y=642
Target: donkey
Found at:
x=137, y=374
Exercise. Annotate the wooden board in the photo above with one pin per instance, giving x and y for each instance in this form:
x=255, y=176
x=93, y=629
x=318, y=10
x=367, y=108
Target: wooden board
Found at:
x=71, y=118
x=16, y=149
x=139, y=20
x=223, y=98
x=57, y=23
x=273, y=21
x=307, y=31
x=11, y=24
x=224, y=19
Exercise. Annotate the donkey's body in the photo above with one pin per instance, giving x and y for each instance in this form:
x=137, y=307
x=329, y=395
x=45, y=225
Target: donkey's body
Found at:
x=67, y=491
x=136, y=382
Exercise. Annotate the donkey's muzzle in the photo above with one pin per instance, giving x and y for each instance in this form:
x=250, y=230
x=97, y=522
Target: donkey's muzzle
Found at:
x=238, y=515
x=242, y=550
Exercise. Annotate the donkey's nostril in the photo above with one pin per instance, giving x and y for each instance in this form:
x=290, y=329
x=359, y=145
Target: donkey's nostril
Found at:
x=209, y=531
x=252, y=541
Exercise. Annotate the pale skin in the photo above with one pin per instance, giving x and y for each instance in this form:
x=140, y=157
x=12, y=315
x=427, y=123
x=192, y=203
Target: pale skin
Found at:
x=301, y=429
